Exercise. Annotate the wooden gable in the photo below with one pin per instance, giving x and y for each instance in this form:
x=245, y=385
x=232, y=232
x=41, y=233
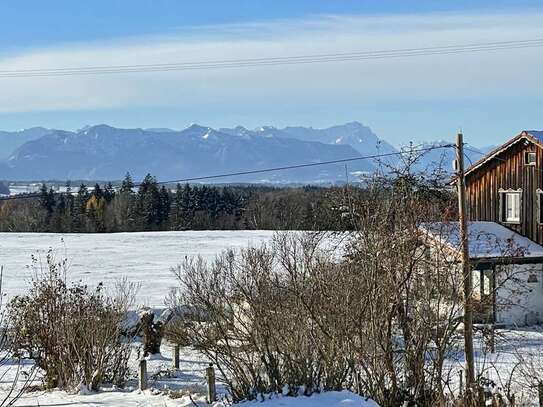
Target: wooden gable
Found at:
x=506, y=169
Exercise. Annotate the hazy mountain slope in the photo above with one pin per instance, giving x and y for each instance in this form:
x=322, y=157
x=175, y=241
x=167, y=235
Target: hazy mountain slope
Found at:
x=10, y=140
x=103, y=152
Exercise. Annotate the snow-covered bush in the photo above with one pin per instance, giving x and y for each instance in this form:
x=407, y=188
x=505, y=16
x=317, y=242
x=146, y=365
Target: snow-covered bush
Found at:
x=72, y=332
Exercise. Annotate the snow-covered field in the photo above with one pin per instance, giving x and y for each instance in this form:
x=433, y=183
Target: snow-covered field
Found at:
x=145, y=258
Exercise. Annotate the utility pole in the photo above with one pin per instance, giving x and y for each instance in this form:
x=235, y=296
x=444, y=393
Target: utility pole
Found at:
x=466, y=267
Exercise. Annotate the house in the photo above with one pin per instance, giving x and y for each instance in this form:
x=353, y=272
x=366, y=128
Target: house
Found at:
x=507, y=270
x=504, y=192
x=506, y=186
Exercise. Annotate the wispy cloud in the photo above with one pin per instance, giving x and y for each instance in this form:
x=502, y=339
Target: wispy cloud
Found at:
x=500, y=73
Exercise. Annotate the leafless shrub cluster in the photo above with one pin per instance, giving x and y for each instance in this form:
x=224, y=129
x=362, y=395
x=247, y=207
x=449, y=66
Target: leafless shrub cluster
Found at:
x=295, y=316
x=72, y=332
x=377, y=310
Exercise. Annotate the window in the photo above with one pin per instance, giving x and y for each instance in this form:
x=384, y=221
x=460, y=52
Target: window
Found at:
x=512, y=207
x=530, y=158
x=510, y=204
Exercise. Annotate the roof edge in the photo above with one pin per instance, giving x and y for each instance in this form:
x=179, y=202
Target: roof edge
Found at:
x=522, y=135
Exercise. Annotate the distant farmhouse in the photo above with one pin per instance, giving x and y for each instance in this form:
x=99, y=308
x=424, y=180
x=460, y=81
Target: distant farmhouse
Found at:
x=505, y=211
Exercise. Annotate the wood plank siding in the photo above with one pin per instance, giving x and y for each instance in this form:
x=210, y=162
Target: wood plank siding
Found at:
x=506, y=170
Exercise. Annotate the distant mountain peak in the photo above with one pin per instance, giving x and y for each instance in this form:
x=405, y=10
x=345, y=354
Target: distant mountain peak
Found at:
x=241, y=129
x=354, y=125
x=99, y=128
x=195, y=128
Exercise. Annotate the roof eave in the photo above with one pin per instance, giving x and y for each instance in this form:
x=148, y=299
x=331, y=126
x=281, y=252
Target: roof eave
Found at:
x=522, y=135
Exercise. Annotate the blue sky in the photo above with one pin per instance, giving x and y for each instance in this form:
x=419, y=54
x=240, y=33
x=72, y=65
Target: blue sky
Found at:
x=490, y=96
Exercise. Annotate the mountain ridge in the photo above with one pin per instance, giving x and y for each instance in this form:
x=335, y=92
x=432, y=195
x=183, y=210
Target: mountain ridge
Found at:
x=106, y=152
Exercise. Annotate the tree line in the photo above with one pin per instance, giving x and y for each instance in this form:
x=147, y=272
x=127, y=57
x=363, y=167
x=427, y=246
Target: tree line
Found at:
x=150, y=206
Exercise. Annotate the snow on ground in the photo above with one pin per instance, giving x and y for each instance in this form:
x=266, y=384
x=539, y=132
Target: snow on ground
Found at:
x=190, y=378
x=163, y=379
x=141, y=257
x=328, y=399
x=505, y=368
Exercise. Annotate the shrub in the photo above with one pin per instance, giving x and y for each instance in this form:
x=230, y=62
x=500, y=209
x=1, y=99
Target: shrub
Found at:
x=258, y=329
x=72, y=332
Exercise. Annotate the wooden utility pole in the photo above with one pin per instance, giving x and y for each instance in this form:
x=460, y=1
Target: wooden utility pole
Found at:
x=466, y=267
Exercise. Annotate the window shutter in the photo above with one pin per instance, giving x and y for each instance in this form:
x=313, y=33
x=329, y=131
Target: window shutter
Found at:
x=520, y=211
x=501, y=197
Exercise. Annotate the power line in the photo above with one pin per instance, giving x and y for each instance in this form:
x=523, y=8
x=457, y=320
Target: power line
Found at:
x=296, y=166
x=266, y=170
x=274, y=61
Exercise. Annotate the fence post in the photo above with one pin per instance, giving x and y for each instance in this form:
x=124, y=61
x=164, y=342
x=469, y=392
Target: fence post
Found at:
x=142, y=375
x=461, y=377
x=540, y=392
x=211, y=389
x=176, y=356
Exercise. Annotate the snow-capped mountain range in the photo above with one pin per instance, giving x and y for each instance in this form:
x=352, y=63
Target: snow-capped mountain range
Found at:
x=106, y=153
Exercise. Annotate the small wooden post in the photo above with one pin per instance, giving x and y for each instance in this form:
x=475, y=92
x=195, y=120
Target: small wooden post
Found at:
x=142, y=375
x=176, y=356
x=540, y=392
x=461, y=377
x=211, y=388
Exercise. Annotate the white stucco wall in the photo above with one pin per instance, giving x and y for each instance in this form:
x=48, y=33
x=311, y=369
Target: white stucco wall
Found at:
x=518, y=301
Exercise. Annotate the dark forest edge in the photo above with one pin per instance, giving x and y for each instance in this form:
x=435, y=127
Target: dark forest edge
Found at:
x=152, y=207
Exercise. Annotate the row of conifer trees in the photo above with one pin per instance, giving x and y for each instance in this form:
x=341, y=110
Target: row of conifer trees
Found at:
x=152, y=206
